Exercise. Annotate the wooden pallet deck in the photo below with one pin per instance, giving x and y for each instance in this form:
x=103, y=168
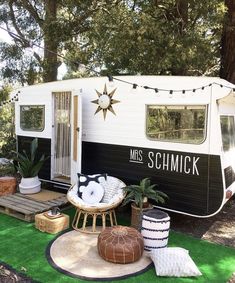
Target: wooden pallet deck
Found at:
x=24, y=208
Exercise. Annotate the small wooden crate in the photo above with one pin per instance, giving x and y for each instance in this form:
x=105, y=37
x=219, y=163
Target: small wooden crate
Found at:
x=51, y=225
x=7, y=186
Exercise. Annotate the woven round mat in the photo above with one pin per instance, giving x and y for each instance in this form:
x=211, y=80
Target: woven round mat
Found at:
x=75, y=254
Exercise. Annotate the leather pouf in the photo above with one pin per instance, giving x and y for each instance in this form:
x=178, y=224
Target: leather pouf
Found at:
x=120, y=244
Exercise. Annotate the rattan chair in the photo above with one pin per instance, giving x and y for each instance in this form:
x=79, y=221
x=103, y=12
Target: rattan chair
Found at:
x=104, y=210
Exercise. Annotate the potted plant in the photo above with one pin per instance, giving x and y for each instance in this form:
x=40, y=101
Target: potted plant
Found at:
x=28, y=166
x=139, y=195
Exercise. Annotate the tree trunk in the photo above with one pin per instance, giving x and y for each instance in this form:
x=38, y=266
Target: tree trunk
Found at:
x=181, y=20
x=50, y=64
x=227, y=67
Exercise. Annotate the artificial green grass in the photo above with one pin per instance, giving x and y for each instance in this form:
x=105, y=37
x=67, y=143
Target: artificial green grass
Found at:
x=23, y=247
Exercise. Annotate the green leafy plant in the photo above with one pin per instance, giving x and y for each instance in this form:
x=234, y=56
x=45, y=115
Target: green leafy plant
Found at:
x=28, y=165
x=140, y=193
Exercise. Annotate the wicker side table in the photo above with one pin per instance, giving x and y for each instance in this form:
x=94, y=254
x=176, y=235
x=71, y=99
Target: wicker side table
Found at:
x=51, y=225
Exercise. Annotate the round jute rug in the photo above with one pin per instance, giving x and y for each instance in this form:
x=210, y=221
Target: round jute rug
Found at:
x=75, y=254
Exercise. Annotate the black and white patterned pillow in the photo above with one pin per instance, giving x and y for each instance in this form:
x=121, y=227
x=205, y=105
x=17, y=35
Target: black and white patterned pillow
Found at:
x=84, y=180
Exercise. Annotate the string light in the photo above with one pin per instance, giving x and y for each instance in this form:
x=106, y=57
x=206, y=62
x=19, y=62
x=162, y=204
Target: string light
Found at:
x=111, y=82
x=172, y=91
x=10, y=101
x=135, y=86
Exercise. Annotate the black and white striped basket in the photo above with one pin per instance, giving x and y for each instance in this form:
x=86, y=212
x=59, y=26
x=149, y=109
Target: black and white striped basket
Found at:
x=155, y=229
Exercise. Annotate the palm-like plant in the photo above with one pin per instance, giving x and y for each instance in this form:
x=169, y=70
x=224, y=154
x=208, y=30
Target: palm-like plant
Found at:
x=139, y=194
x=28, y=165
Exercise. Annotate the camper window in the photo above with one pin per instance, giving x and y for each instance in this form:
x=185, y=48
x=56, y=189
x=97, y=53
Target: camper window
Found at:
x=32, y=117
x=228, y=132
x=176, y=123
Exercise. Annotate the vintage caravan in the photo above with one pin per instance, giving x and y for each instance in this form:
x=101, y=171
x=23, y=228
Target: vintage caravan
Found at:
x=179, y=131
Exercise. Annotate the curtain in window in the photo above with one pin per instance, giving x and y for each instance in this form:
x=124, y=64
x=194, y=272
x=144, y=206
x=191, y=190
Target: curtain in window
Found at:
x=62, y=104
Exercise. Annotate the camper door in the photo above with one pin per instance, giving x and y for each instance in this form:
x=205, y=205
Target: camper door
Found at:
x=66, y=138
x=61, y=142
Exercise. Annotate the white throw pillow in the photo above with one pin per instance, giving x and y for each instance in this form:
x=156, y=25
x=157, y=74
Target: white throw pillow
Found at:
x=84, y=180
x=93, y=193
x=111, y=186
x=174, y=262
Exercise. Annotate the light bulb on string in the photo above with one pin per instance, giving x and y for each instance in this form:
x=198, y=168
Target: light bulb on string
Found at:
x=157, y=92
x=134, y=88
x=111, y=82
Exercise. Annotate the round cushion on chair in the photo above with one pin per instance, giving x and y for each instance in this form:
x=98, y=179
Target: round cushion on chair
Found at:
x=120, y=244
x=93, y=193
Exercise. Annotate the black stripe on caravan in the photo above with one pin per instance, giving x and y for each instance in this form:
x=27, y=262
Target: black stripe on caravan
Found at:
x=194, y=184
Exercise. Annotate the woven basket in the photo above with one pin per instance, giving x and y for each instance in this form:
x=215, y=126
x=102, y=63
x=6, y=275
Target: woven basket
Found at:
x=155, y=229
x=51, y=225
x=136, y=217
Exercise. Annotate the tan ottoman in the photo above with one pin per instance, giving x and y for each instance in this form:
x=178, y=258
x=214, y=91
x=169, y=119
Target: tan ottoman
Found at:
x=120, y=244
x=7, y=186
x=51, y=225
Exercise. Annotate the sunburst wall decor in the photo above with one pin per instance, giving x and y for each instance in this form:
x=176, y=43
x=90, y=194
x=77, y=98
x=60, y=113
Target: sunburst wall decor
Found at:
x=105, y=101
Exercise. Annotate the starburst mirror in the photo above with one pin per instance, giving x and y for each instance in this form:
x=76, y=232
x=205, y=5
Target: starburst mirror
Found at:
x=105, y=101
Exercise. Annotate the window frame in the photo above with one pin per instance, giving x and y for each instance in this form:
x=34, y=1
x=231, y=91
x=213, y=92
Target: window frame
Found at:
x=43, y=117
x=227, y=116
x=175, y=105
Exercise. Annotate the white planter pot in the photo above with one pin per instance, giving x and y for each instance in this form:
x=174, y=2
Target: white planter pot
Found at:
x=30, y=185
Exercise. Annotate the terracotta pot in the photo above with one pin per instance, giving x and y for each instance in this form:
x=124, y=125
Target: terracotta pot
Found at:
x=30, y=185
x=136, y=216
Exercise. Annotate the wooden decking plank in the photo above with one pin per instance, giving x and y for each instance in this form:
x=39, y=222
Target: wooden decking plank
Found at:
x=25, y=199
x=29, y=201
x=19, y=215
x=4, y=205
x=51, y=202
x=41, y=203
x=19, y=203
x=9, y=202
x=24, y=208
x=57, y=202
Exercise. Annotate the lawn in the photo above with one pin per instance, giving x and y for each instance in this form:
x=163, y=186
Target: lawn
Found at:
x=23, y=247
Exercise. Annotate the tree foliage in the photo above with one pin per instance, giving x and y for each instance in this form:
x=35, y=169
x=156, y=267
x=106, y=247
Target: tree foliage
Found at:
x=47, y=25
x=170, y=37
x=7, y=129
x=154, y=37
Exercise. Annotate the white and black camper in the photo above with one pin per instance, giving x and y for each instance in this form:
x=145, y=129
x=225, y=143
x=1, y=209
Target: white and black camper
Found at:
x=179, y=131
